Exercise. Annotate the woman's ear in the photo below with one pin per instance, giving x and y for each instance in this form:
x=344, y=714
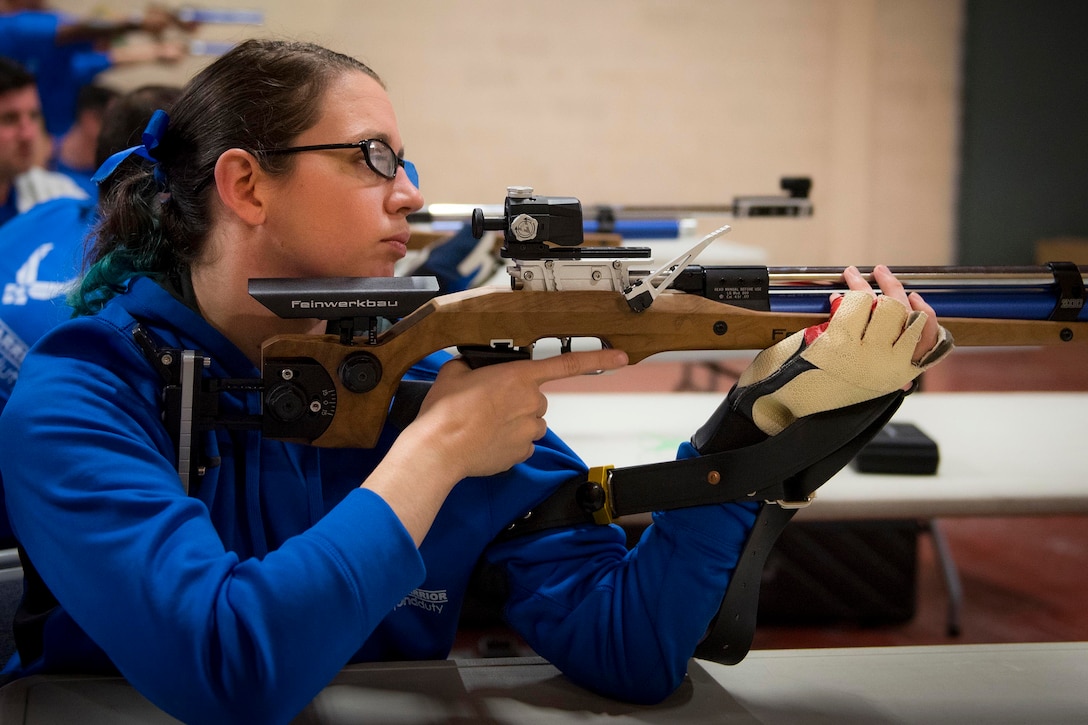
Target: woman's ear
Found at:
x=239, y=179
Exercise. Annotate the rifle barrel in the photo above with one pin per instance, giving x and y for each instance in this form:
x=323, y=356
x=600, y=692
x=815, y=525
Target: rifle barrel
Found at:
x=830, y=278
x=1015, y=293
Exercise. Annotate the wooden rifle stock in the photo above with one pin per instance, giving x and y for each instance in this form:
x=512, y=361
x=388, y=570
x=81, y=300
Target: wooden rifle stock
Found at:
x=495, y=316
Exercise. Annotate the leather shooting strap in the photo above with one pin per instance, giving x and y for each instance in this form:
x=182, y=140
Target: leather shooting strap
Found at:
x=730, y=634
x=783, y=472
x=785, y=469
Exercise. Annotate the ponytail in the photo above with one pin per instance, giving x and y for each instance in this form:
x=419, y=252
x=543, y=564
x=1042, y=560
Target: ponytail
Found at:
x=127, y=240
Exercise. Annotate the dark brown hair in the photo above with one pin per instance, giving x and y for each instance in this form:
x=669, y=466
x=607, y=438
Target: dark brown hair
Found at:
x=13, y=76
x=260, y=95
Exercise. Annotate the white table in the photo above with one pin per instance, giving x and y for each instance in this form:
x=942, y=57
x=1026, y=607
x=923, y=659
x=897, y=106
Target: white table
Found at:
x=1012, y=683
x=1001, y=454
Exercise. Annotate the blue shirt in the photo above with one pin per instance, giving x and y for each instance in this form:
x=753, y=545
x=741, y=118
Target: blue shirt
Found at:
x=80, y=176
x=29, y=37
x=40, y=259
x=40, y=253
x=10, y=208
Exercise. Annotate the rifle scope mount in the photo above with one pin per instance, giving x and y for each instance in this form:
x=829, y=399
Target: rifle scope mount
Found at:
x=544, y=227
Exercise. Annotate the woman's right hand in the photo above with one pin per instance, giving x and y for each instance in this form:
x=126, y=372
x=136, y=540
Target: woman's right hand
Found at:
x=487, y=419
x=472, y=423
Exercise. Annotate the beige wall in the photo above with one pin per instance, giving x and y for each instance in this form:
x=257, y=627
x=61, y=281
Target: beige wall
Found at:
x=679, y=102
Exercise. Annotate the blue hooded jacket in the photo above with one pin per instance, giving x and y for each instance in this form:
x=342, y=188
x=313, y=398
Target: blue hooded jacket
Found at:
x=241, y=601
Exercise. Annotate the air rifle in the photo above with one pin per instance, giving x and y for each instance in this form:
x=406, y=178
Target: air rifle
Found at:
x=339, y=389
x=335, y=390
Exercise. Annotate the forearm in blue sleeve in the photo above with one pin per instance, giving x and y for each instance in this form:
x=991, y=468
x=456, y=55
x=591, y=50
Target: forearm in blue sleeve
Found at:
x=282, y=627
x=210, y=638
x=624, y=623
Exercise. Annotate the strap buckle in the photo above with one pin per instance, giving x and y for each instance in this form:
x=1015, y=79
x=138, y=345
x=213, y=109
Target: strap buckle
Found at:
x=595, y=495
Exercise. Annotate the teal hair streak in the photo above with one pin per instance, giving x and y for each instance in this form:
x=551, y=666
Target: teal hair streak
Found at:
x=112, y=273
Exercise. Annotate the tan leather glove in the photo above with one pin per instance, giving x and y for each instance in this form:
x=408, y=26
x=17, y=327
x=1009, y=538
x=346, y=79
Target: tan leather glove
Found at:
x=863, y=352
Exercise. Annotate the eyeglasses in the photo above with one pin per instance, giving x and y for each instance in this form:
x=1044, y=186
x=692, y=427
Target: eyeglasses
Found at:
x=379, y=156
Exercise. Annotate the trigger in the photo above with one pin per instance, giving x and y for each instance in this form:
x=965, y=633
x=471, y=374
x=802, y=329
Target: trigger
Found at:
x=476, y=356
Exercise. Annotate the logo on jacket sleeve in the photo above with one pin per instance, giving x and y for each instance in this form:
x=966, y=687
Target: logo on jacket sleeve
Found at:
x=27, y=286
x=429, y=600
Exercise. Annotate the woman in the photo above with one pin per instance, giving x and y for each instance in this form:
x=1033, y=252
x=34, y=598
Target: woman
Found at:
x=241, y=601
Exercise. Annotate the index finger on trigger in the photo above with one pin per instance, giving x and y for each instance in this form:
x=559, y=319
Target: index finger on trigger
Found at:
x=572, y=364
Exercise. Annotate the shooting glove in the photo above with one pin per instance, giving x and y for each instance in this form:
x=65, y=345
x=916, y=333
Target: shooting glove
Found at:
x=862, y=352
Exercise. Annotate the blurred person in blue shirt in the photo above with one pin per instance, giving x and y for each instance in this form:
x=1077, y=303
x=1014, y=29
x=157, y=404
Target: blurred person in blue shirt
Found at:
x=66, y=52
x=23, y=183
x=74, y=152
x=41, y=251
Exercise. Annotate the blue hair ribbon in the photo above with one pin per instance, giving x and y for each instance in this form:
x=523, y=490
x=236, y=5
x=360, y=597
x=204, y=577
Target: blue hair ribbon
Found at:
x=151, y=138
